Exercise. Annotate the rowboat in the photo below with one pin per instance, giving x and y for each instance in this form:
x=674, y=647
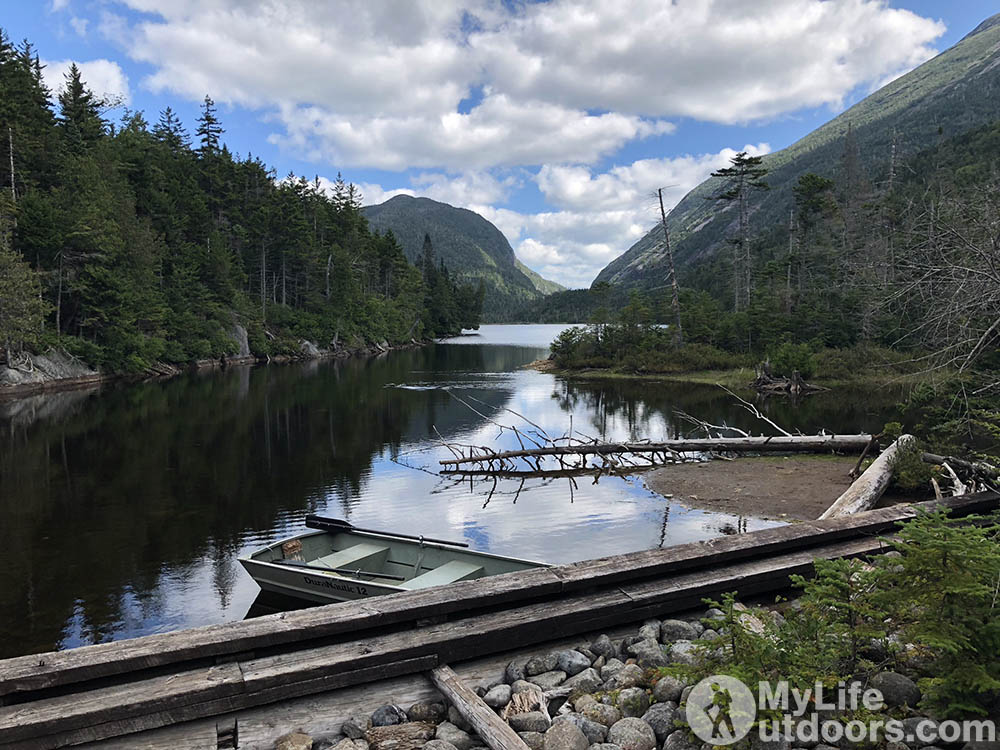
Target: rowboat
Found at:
x=337, y=561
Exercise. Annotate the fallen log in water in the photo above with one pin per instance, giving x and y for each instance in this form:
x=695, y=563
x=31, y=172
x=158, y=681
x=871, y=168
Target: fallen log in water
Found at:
x=866, y=490
x=785, y=444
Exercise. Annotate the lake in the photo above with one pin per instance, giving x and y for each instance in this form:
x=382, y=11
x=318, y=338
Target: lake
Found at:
x=123, y=510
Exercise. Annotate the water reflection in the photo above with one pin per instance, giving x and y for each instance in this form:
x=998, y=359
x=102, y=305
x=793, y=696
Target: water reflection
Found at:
x=122, y=512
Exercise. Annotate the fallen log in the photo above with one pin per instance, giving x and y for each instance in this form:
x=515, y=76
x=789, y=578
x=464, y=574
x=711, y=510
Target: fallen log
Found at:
x=866, y=490
x=787, y=444
x=493, y=730
x=976, y=468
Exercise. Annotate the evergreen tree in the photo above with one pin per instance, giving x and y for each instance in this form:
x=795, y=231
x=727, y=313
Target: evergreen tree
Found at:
x=79, y=115
x=170, y=131
x=22, y=310
x=209, y=129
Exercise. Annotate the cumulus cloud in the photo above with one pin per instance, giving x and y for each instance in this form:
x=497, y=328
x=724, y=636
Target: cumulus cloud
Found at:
x=477, y=84
x=104, y=77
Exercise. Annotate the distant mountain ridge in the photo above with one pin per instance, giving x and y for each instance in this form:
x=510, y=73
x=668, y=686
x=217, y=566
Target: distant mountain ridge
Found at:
x=951, y=94
x=471, y=247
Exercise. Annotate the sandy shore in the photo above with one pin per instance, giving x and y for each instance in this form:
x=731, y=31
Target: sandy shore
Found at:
x=778, y=487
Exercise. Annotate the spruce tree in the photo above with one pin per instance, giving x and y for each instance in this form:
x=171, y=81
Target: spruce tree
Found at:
x=209, y=129
x=79, y=116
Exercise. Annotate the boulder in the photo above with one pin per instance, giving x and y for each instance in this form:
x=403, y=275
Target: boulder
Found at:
x=592, y=730
x=563, y=735
x=436, y=744
x=602, y=646
x=897, y=689
x=388, y=715
x=498, y=697
x=294, y=741
x=633, y=701
x=650, y=630
x=649, y=654
x=677, y=630
x=458, y=720
x=684, y=652
x=448, y=732
x=355, y=727
x=534, y=740
x=548, y=680
x=668, y=689
x=572, y=662
x=530, y=721
x=599, y=712
x=427, y=711
x=612, y=667
x=588, y=680
x=631, y=733
x=539, y=664
x=630, y=675
x=660, y=717
x=514, y=672
x=604, y=746
x=679, y=740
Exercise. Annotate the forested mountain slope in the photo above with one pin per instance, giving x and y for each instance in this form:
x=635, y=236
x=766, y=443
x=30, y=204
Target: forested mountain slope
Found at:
x=470, y=246
x=948, y=95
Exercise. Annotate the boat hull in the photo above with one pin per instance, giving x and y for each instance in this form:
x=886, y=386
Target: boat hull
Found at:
x=310, y=585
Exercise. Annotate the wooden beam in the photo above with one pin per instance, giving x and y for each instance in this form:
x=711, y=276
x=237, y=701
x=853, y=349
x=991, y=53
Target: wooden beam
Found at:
x=493, y=730
x=794, y=443
x=325, y=624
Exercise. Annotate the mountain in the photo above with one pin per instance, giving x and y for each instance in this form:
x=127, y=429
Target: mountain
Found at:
x=472, y=248
x=949, y=95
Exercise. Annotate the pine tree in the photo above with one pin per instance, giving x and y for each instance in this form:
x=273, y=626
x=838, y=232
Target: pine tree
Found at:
x=22, y=310
x=209, y=129
x=170, y=131
x=79, y=115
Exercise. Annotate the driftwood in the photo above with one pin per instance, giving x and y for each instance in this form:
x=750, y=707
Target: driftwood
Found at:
x=494, y=731
x=868, y=488
x=766, y=382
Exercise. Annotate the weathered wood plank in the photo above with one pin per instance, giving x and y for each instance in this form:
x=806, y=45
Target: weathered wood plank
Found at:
x=493, y=730
x=292, y=629
x=194, y=735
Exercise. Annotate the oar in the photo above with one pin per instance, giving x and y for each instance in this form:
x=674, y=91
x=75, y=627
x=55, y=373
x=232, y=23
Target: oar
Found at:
x=342, y=571
x=337, y=524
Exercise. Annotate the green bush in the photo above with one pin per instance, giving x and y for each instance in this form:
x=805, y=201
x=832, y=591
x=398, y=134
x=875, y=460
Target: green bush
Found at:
x=790, y=357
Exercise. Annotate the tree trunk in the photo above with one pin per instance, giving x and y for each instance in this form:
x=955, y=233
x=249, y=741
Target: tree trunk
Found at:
x=679, y=335
x=868, y=488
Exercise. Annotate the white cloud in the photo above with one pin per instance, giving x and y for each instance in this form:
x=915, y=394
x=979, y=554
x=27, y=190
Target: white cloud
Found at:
x=104, y=77
x=79, y=25
x=383, y=83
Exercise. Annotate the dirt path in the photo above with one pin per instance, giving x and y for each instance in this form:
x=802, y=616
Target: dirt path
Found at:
x=779, y=487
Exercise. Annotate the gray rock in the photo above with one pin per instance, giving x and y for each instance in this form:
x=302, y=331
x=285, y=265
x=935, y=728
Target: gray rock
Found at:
x=514, y=672
x=294, y=741
x=594, y=731
x=601, y=713
x=613, y=667
x=649, y=653
x=588, y=680
x=677, y=630
x=981, y=746
x=604, y=746
x=630, y=675
x=458, y=720
x=780, y=743
x=822, y=746
x=532, y=721
x=345, y=744
x=540, y=664
x=355, y=727
x=631, y=733
x=448, y=732
x=602, y=646
x=521, y=686
x=633, y=701
x=686, y=692
x=388, y=715
x=599, y=662
x=435, y=713
x=896, y=746
x=498, y=697
x=534, y=740
x=678, y=740
x=582, y=701
x=650, y=630
x=439, y=745
x=548, y=680
x=626, y=642
x=572, y=662
x=660, y=717
x=708, y=635
x=564, y=735
x=684, y=652
x=928, y=729
x=668, y=689
x=896, y=689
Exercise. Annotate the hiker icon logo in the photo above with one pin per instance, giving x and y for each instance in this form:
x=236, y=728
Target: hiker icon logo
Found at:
x=720, y=710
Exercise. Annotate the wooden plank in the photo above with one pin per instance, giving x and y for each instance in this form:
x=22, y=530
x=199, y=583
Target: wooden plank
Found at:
x=295, y=629
x=193, y=735
x=866, y=490
x=493, y=730
x=784, y=444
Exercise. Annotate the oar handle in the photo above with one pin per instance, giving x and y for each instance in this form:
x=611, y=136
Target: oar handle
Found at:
x=337, y=524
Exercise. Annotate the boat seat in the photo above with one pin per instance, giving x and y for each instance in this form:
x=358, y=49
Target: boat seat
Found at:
x=370, y=557
x=456, y=570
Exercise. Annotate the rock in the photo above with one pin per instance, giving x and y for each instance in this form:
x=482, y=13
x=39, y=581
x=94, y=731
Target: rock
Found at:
x=448, y=732
x=603, y=646
x=649, y=654
x=677, y=630
x=708, y=635
x=534, y=740
x=580, y=702
x=548, y=680
x=531, y=721
x=604, y=746
x=523, y=686
x=594, y=731
x=439, y=745
x=633, y=701
x=572, y=662
x=679, y=740
x=601, y=713
x=294, y=741
x=355, y=727
x=613, y=667
x=587, y=652
x=896, y=689
x=626, y=642
x=426, y=711
x=599, y=662
x=458, y=720
x=388, y=715
x=588, y=680
x=713, y=614
x=780, y=743
x=540, y=664
x=927, y=728
x=630, y=675
x=650, y=630
x=684, y=652
x=345, y=744
x=981, y=746
x=668, y=689
x=896, y=746
x=660, y=717
x=514, y=672
x=631, y=733
x=686, y=692
x=564, y=735
x=498, y=697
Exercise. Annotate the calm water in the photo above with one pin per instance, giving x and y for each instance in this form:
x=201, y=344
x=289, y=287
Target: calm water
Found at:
x=122, y=512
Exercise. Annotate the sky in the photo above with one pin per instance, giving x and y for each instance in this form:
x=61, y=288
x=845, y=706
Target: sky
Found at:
x=557, y=120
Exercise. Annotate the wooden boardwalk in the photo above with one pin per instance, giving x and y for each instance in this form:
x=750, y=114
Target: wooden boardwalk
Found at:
x=217, y=676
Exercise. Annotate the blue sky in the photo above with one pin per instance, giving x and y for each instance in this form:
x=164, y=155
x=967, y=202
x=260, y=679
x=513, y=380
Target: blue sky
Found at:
x=555, y=120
